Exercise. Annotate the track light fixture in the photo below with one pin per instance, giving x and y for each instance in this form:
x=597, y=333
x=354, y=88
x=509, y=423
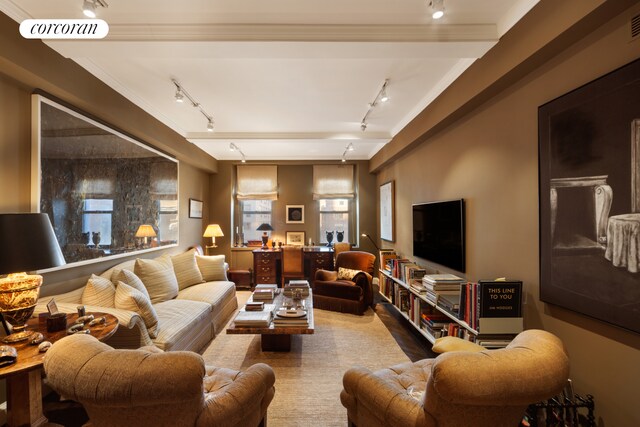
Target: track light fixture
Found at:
x=380, y=97
x=234, y=147
x=181, y=93
x=348, y=148
x=89, y=7
x=437, y=9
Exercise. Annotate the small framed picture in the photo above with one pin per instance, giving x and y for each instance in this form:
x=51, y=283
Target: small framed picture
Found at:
x=195, y=208
x=295, y=214
x=295, y=238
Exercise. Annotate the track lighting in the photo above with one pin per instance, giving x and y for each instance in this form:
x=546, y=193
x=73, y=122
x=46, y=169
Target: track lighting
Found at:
x=234, y=147
x=437, y=9
x=380, y=97
x=348, y=148
x=89, y=7
x=181, y=93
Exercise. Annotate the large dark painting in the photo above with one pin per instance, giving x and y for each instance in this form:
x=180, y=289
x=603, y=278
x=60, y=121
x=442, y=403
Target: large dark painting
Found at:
x=106, y=194
x=590, y=199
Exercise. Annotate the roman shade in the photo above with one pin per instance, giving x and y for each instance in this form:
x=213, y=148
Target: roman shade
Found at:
x=257, y=183
x=333, y=182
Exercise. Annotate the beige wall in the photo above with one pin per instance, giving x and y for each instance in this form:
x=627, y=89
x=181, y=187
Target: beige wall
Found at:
x=68, y=81
x=295, y=182
x=489, y=157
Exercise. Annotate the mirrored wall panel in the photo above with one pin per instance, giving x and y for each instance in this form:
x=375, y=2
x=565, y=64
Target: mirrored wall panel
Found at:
x=106, y=194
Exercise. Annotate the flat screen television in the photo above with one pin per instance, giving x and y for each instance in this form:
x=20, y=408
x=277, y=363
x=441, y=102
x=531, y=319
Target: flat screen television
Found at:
x=438, y=233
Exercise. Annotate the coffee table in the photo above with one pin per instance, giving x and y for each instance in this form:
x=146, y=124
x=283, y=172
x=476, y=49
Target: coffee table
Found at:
x=278, y=338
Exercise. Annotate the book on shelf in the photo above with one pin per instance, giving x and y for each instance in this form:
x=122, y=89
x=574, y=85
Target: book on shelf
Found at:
x=256, y=319
x=450, y=303
x=500, y=307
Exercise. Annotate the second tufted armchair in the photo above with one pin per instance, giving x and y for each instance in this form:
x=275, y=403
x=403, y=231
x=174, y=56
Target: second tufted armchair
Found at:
x=347, y=295
x=490, y=388
x=148, y=387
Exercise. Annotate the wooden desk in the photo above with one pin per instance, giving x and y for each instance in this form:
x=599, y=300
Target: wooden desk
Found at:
x=24, y=378
x=267, y=263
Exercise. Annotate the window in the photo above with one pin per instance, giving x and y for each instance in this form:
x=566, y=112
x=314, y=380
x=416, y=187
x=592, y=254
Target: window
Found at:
x=96, y=217
x=168, y=221
x=334, y=216
x=254, y=213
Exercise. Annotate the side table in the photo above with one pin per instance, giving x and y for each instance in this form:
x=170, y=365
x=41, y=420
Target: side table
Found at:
x=24, y=377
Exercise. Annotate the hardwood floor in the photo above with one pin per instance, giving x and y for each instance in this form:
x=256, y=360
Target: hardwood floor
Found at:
x=414, y=345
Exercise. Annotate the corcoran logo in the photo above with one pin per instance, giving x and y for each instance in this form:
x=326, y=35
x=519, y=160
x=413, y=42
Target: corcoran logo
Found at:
x=64, y=29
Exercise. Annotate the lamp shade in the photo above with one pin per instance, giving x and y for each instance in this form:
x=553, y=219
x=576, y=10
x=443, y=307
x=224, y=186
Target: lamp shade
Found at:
x=213, y=230
x=265, y=227
x=28, y=243
x=145, y=230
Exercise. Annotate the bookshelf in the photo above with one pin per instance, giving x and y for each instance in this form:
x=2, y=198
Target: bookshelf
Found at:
x=412, y=304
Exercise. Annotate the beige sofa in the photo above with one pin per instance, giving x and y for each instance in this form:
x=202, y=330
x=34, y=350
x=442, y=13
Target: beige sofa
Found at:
x=183, y=302
x=148, y=387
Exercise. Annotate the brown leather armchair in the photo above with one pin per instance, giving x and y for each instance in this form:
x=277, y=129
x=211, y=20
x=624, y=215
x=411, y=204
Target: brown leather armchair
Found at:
x=346, y=295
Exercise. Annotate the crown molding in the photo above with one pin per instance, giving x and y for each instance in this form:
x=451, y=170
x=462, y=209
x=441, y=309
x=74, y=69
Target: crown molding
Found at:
x=302, y=33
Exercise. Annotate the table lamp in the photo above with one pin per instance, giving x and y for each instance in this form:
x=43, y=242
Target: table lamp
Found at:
x=213, y=231
x=265, y=237
x=19, y=291
x=146, y=231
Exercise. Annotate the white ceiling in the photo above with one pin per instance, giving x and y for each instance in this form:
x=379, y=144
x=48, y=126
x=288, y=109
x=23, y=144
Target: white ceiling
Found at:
x=283, y=79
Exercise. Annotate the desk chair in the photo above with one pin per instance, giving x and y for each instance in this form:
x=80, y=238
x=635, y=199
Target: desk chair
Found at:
x=292, y=263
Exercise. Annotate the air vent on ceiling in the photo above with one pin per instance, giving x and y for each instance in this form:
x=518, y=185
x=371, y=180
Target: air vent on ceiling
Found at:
x=635, y=27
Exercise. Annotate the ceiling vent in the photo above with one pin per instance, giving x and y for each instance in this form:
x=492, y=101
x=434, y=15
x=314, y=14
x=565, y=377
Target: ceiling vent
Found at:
x=635, y=27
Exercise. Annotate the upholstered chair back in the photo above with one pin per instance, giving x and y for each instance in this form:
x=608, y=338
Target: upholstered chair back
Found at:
x=490, y=388
x=356, y=260
x=149, y=387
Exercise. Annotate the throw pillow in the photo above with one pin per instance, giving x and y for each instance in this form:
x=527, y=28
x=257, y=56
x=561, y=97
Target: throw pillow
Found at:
x=130, y=278
x=158, y=277
x=186, y=269
x=128, y=298
x=99, y=291
x=445, y=344
x=346, y=273
x=211, y=267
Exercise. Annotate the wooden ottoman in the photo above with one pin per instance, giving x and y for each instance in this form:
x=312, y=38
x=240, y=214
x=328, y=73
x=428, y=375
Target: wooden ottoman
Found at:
x=242, y=278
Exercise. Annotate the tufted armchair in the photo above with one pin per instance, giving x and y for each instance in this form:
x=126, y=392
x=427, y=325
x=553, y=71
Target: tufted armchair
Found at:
x=490, y=388
x=148, y=387
x=347, y=295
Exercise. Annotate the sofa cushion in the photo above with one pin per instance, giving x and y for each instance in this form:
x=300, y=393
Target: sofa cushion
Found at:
x=112, y=272
x=181, y=323
x=211, y=267
x=128, y=298
x=186, y=269
x=99, y=291
x=216, y=294
x=130, y=278
x=158, y=277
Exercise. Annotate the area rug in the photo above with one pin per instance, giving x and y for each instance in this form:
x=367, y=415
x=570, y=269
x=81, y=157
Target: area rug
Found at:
x=309, y=377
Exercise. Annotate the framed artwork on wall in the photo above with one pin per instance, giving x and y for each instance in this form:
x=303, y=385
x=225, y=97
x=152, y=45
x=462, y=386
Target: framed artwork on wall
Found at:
x=195, y=208
x=589, y=142
x=387, y=208
x=295, y=238
x=295, y=214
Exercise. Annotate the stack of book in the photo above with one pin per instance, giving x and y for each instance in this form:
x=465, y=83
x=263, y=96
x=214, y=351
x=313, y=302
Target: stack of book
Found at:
x=253, y=319
x=290, y=318
x=264, y=292
x=438, y=286
x=254, y=306
x=293, y=286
